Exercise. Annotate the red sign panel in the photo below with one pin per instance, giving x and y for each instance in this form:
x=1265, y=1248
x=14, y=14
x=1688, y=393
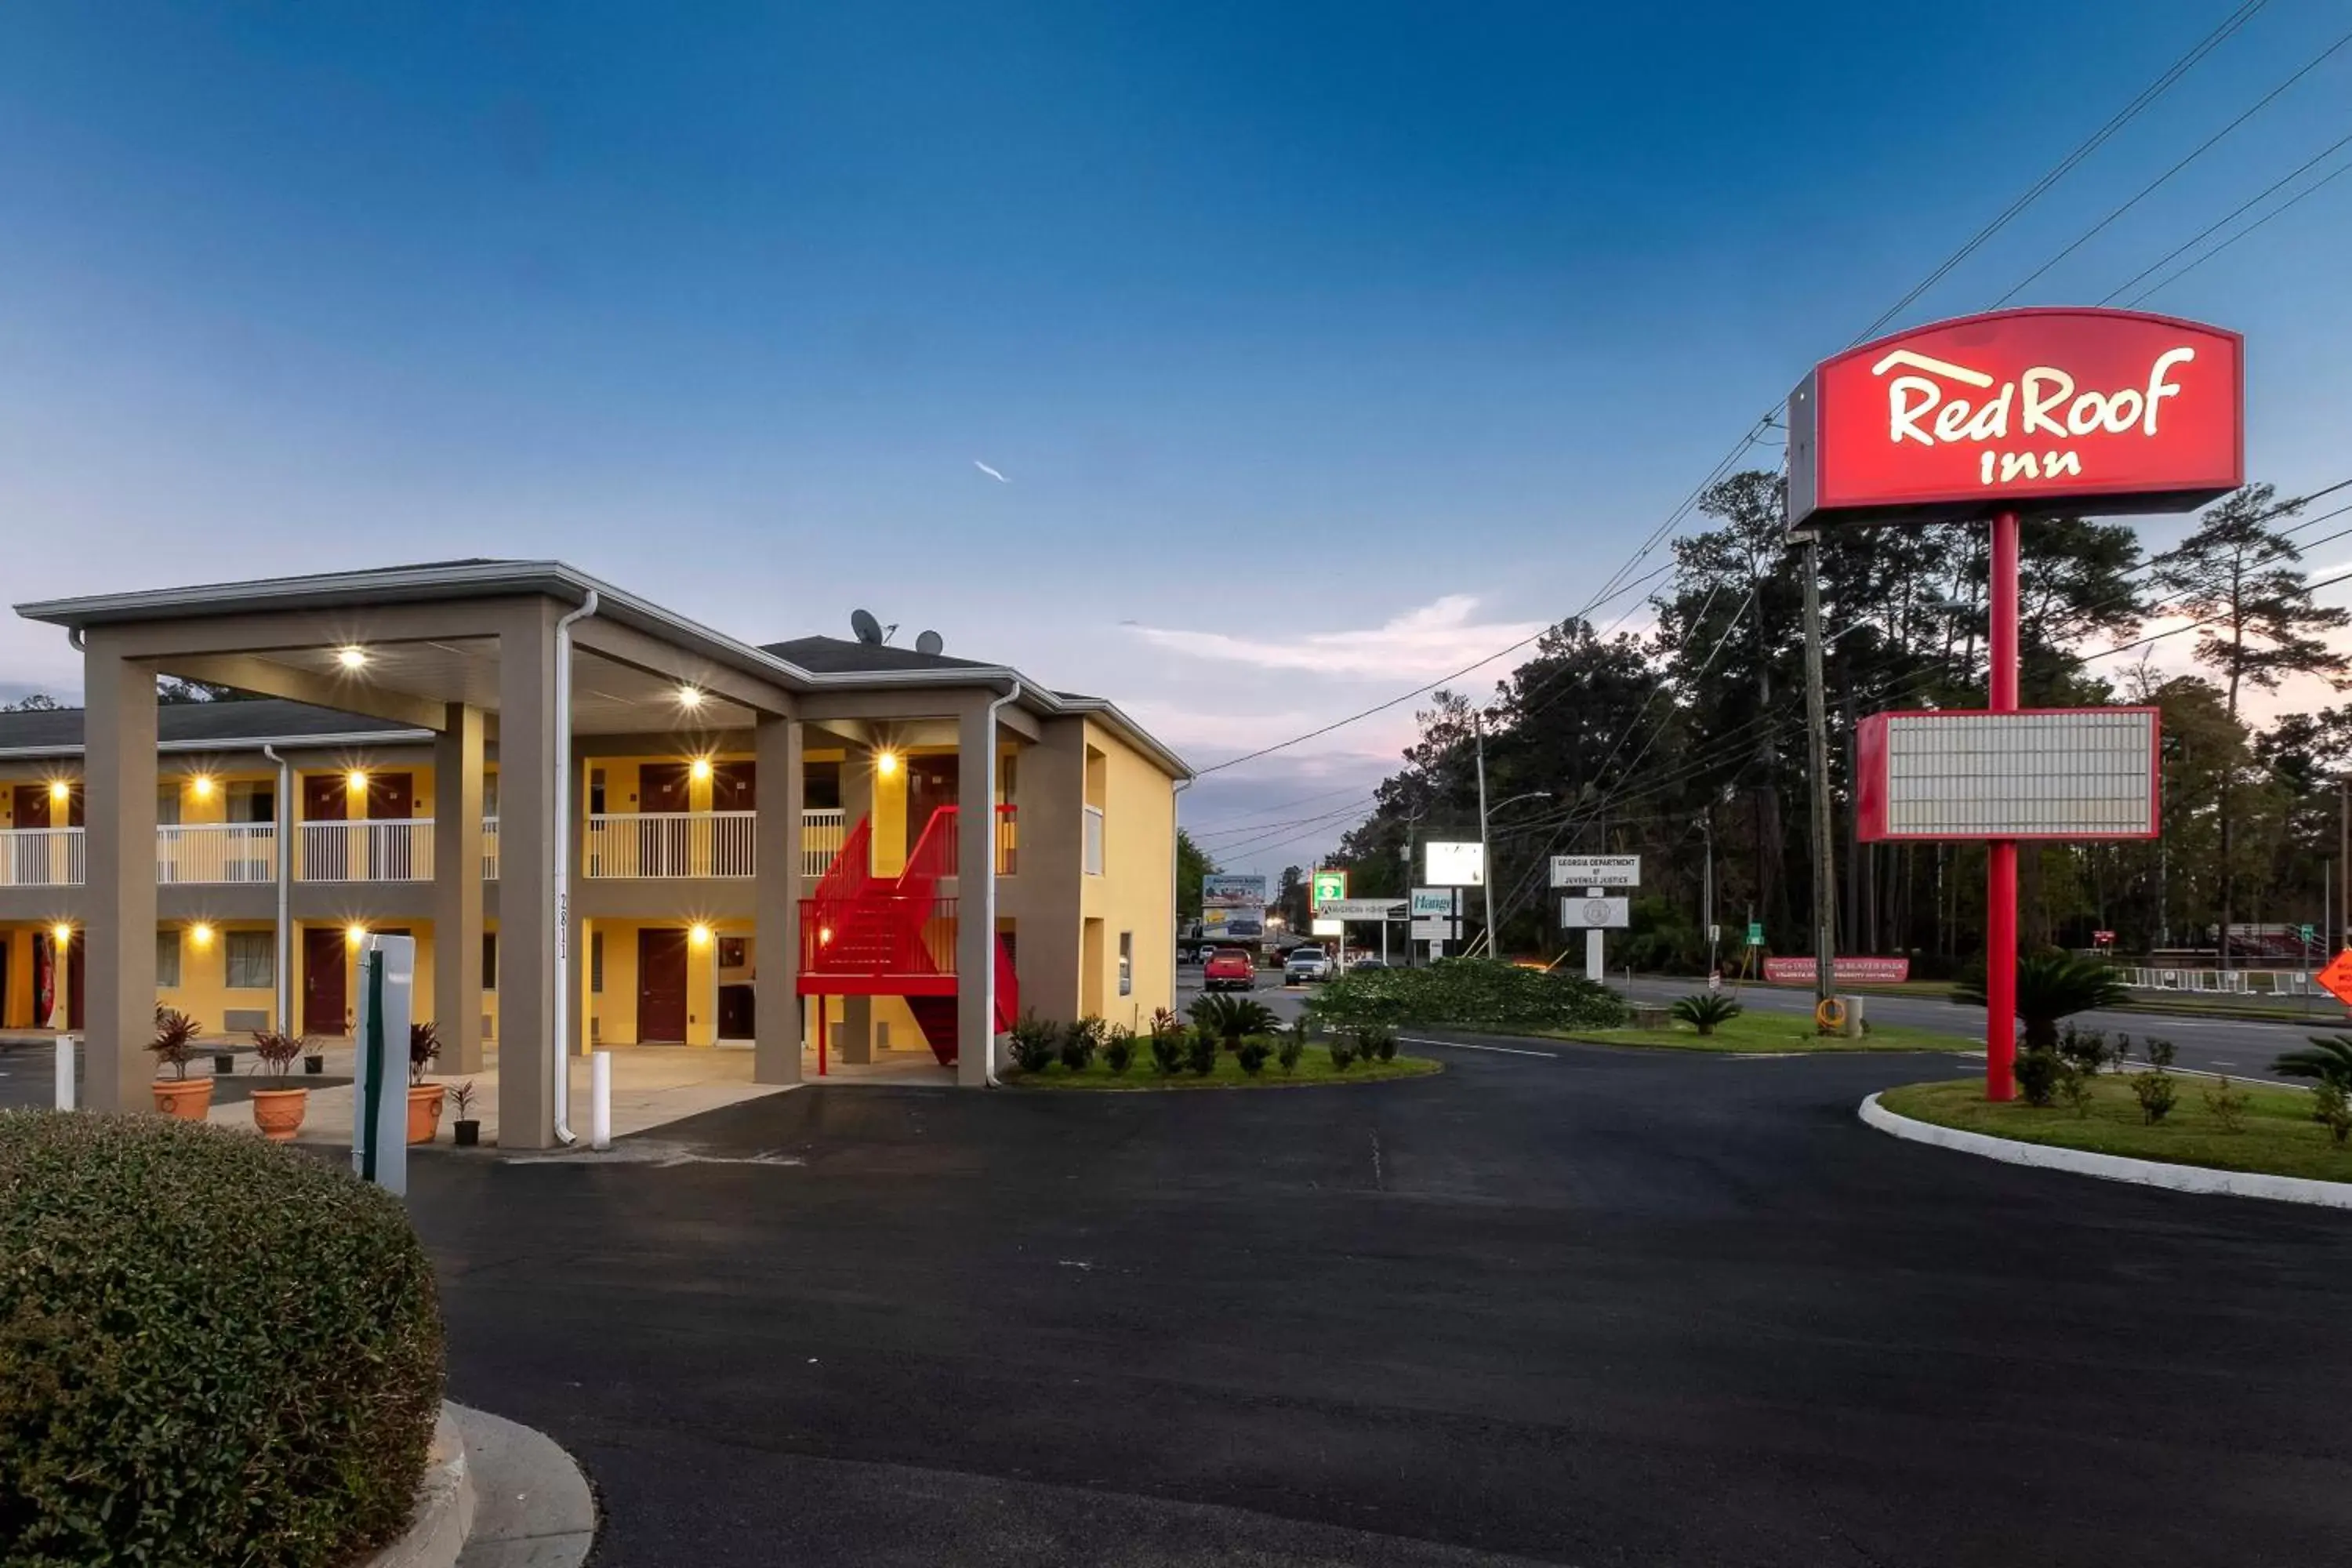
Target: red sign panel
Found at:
x=2036, y=410
x=1847, y=970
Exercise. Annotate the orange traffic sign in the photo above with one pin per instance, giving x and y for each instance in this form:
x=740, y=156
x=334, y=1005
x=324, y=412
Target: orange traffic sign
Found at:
x=2337, y=977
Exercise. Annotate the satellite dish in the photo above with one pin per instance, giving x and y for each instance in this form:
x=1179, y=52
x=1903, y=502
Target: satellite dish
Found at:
x=868, y=629
x=929, y=642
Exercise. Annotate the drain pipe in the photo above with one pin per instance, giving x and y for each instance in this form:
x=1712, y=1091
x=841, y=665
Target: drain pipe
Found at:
x=988, y=884
x=1175, y=889
x=282, y=822
x=562, y=1104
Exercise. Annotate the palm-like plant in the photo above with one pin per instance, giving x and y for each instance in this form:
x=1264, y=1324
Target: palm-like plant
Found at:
x=1232, y=1018
x=2050, y=986
x=175, y=1041
x=1703, y=1010
x=2329, y=1061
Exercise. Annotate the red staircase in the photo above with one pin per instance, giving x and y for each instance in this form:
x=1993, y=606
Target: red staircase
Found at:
x=864, y=936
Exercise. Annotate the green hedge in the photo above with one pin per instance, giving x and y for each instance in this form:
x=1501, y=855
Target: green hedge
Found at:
x=1470, y=992
x=213, y=1349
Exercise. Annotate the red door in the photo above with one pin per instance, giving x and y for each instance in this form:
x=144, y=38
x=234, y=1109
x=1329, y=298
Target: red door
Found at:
x=325, y=992
x=32, y=808
x=392, y=797
x=661, y=986
x=326, y=851
x=663, y=847
x=733, y=786
x=930, y=785
x=326, y=797
x=74, y=966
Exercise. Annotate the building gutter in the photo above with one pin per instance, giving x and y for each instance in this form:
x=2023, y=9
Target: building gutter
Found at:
x=988, y=888
x=562, y=1102
x=282, y=971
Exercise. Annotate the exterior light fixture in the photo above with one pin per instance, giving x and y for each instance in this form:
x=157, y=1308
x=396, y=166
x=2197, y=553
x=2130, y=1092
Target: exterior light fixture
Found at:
x=698, y=934
x=60, y=789
x=355, y=934
x=357, y=778
x=701, y=770
x=201, y=786
x=61, y=931
x=351, y=656
x=824, y=936
x=885, y=763
x=690, y=697
x=200, y=934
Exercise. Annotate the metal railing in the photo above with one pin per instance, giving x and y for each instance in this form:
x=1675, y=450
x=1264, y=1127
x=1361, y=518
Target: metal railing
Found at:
x=397, y=849
x=43, y=858
x=489, y=850
x=2222, y=981
x=822, y=832
x=671, y=844
x=1094, y=863
x=215, y=852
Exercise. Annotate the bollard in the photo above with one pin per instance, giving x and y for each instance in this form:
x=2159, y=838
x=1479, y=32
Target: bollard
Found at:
x=66, y=1044
x=600, y=1099
x=1853, y=1030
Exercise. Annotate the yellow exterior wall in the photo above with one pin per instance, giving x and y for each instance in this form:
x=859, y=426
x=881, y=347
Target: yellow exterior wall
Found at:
x=204, y=992
x=1135, y=893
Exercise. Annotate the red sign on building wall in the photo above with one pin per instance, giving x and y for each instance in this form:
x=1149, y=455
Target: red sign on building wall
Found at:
x=2035, y=410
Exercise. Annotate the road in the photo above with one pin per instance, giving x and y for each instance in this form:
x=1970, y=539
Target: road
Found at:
x=1560, y=1303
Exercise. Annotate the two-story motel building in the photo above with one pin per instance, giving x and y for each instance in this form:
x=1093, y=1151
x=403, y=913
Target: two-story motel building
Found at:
x=549, y=783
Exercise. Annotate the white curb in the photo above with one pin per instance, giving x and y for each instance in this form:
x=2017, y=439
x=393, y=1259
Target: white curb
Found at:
x=2113, y=1167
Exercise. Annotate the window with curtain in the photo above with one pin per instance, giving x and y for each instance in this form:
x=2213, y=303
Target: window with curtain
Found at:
x=252, y=959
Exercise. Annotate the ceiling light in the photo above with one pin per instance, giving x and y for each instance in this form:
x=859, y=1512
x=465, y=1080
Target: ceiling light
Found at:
x=201, y=786
x=357, y=778
x=701, y=769
x=351, y=658
x=60, y=790
x=698, y=934
x=690, y=697
x=61, y=931
x=885, y=763
x=355, y=934
x=200, y=934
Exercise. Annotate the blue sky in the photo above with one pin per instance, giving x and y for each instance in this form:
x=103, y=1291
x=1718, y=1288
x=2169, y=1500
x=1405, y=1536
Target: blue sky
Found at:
x=1325, y=347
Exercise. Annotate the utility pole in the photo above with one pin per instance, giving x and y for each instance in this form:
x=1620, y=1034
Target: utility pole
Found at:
x=1817, y=721
x=1707, y=891
x=1485, y=854
x=2343, y=860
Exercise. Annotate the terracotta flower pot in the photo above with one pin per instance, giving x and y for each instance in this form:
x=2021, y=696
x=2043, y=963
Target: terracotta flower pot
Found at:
x=277, y=1112
x=186, y=1097
x=424, y=1110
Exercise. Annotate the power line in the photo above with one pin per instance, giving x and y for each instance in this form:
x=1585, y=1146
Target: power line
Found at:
x=2337, y=174
x=2223, y=221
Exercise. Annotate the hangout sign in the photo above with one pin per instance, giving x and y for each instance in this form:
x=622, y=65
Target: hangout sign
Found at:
x=1994, y=418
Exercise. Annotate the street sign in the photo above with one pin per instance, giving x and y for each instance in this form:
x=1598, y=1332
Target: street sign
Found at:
x=1437, y=928
x=2305, y=931
x=1428, y=902
x=1715, y=933
x=1596, y=871
x=1756, y=933
x=1596, y=914
x=2336, y=978
x=1361, y=910
x=1327, y=886
x=1327, y=928
x=2102, y=938
x=1457, y=864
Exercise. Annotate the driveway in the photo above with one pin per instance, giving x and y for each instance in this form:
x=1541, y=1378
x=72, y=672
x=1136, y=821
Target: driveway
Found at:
x=1562, y=1303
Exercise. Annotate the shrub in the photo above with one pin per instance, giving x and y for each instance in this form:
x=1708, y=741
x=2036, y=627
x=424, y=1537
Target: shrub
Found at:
x=2329, y=1061
x=2156, y=1091
x=1119, y=1049
x=424, y=1045
x=175, y=1041
x=1343, y=1052
x=2160, y=1053
x=2086, y=1049
x=1200, y=1052
x=1292, y=1046
x=1470, y=992
x=2037, y=1075
x=1168, y=1049
x=1032, y=1041
x=1079, y=1042
x=2076, y=1087
x=2227, y=1103
x=1252, y=1054
x=2331, y=1107
x=212, y=1349
x=1227, y=1018
x=1375, y=1043
x=1704, y=1010
x=2050, y=986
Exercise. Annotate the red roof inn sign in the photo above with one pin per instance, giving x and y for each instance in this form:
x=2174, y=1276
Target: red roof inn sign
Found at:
x=2079, y=411
x=1988, y=418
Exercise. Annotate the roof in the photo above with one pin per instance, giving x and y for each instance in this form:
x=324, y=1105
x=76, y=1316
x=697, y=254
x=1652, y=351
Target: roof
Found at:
x=804, y=664
x=185, y=726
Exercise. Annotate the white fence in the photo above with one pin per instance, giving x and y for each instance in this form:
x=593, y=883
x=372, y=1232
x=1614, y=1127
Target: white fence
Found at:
x=2224, y=982
x=822, y=832
x=216, y=852
x=397, y=849
x=671, y=844
x=43, y=858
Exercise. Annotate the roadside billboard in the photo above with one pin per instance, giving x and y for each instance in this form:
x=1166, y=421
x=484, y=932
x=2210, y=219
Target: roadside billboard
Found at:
x=2069, y=773
x=1849, y=969
x=1596, y=871
x=1231, y=890
x=1456, y=864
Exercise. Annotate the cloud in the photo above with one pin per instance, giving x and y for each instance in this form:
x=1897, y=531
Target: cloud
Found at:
x=1434, y=640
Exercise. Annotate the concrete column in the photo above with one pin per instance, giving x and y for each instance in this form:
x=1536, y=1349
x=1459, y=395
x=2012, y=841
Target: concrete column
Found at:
x=776, y=749
x=574, y=847
x=458, y=888
x=1052, y=879
x=975, y=871
x=854, y=1038
x=118, y=811
x=527, y=840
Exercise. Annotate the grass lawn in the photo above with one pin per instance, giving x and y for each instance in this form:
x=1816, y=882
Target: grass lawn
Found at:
x=2277, y=1135
x=1757, y=1031
x=1313, y=1068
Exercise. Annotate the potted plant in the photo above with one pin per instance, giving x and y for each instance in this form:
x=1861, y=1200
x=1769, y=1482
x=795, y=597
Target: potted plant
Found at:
x=314, y=1063
x=464, y=1129
x=175, y=1041
x=278, y=1110
x=224, y=1062
x=424, y=1098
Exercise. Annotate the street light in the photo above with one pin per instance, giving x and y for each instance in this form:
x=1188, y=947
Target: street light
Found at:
x=1485, y=853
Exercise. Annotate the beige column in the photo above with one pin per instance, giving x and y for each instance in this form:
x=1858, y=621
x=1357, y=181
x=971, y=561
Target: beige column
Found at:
x=575, y=939
x=527, y=840
x=119, y=801
x=458, y=888
x=1052, y=879
x=853, y=1039
x=975, y=870
x=776, y=746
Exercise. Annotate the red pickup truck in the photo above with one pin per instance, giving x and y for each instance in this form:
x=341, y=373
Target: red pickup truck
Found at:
x=1229, y=969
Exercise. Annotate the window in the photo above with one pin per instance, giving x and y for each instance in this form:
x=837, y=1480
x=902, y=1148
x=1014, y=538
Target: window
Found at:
x=490, y=960
x=1126, y=964
x=730, y=953
x=252, y=803
x=252, y=959
x=167, y=804
x=167, y=960
x=1094, y=846
x=596, y=961
x=596, y=792
x=820, y=787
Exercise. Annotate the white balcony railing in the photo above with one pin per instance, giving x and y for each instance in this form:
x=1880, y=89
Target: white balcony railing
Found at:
x=671, y=844
x=215, y=852
x=1094, y=866
x=822, y=832
x=399, y=849
x=43, y=858
x=489, y=850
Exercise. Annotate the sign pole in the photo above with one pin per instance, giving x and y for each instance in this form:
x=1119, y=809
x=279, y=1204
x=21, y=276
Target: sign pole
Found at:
x=2000, y=858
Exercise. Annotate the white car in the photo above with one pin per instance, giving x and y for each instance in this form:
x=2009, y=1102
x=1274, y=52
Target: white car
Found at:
x=1306, y=963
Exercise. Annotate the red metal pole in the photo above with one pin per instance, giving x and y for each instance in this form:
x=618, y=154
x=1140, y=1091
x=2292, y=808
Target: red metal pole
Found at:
x=820, y=1032
x=2000, y=860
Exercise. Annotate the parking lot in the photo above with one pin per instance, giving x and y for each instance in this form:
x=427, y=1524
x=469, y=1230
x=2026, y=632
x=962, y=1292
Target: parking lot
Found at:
x=1561, y=1304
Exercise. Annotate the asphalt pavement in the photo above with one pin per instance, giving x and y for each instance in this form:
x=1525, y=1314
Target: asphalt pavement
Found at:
x=1564, y=1303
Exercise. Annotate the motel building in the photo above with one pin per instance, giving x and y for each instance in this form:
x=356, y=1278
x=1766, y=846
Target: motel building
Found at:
x=732, y=836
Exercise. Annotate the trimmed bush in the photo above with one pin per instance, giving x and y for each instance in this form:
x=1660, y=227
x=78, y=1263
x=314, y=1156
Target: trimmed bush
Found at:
x=1200, y=1052
x=1343, y=1052
x=1468, y=993
x=1252, y=1054
x=1293, y=1045
x=1032, y=1042
x=1079, y=1041
x=212, y=1349
x=2039, y=1069
x=1168, y=1048
x=1119, y=1049
x=1229, y=1018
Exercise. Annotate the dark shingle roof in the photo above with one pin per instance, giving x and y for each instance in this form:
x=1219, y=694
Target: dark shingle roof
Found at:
x=839, y=655
x=194, y=723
